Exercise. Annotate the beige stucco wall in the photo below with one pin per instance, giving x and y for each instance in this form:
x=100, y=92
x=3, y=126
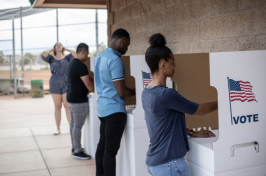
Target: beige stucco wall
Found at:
x=191, y=26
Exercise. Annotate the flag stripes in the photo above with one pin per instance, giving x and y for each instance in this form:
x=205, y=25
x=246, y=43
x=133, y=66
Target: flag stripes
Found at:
x=147, y=78
x=241, y=91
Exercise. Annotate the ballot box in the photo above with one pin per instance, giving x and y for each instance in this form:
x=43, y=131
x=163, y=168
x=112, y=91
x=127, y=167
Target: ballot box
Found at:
x=237, y=81
x=91, y=129
x=131, y=157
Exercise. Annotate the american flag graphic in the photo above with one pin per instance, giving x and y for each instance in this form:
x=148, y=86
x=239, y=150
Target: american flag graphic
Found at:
x=241, y=91
x=147, y=78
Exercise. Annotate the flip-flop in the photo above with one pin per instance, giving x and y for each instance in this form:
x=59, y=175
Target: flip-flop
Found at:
x=56, y=132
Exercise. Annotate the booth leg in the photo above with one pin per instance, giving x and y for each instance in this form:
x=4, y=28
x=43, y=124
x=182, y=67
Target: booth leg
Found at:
x=131, y=156
x=91, y=132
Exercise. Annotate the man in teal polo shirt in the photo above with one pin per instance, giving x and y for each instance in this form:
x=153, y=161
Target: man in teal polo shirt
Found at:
x=110, y=86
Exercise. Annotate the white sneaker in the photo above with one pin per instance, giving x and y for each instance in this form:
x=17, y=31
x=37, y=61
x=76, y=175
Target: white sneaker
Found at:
x=56, y=132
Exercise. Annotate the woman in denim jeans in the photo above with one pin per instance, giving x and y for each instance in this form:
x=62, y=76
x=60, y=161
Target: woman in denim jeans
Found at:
x=165, y=114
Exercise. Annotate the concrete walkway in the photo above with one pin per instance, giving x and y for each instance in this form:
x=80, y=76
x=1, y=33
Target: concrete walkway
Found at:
x=27, y=144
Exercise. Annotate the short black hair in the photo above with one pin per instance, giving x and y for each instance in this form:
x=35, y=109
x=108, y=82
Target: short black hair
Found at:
x=81, y=47
x=156, y=52
x=119, y=33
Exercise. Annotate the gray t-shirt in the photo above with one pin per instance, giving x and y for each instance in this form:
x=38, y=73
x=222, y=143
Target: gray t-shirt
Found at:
x=164, y=112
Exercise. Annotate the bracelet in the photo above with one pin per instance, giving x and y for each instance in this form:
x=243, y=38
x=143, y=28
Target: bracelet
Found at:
x=190, y=133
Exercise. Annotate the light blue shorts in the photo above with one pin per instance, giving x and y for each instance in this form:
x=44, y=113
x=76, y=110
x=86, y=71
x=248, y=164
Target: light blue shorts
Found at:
x=174, y=168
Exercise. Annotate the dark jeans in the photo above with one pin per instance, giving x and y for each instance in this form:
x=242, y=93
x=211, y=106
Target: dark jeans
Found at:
x=111, y=131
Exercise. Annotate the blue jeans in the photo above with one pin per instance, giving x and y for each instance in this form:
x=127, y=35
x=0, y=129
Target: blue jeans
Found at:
x=174, y=168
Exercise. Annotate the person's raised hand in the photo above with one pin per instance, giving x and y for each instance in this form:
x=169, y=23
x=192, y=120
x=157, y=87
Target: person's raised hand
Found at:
x=203, y=134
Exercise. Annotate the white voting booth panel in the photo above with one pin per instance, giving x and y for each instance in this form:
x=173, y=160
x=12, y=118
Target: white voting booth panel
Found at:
x=240, y=146
x=246, y=66
x=92, y=123
x=135, y=141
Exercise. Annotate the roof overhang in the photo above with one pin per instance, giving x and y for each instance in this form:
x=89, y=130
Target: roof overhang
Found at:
x=88, y=4
x=8, y=14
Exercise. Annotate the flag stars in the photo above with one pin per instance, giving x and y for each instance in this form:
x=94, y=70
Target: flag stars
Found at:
x=234, y=85
x=241, y=91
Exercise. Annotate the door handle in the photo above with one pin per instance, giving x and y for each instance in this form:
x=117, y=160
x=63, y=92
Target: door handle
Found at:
x=255, y=144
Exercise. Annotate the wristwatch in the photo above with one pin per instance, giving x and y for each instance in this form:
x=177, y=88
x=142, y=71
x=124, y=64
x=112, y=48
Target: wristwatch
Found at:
x=190, y=133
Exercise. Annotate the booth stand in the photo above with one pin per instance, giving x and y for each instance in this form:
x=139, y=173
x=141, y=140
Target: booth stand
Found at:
x=239, y=148
x=92, y=124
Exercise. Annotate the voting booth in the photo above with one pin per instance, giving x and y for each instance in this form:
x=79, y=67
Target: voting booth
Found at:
x=239, y=124
x=135, y=141
x=236, y=80
x=91, y=130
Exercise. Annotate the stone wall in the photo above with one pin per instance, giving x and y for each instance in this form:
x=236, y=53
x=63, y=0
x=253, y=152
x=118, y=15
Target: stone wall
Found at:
x=191, y=26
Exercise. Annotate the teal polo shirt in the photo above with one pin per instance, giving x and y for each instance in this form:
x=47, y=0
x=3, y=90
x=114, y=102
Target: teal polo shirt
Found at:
x=109, y=67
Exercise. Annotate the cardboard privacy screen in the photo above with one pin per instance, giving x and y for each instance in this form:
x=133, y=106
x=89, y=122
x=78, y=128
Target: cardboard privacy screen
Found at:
x=129, y=80
x=192, y=78
x=91, y=74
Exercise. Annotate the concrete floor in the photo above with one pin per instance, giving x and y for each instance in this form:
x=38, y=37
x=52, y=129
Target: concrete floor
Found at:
x=27, y=144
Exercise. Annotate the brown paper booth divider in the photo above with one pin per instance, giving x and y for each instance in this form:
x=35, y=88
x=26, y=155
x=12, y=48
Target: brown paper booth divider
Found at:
x=129, y=80
x=192, y=78
x=91, y=74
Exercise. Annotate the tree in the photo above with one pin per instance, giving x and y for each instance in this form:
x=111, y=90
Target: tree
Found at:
x=101, y=48
x=31, y=1
x=2, y=59
x=27, y=61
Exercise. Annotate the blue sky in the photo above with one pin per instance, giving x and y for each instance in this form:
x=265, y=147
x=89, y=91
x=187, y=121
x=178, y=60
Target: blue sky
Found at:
x=38, y=39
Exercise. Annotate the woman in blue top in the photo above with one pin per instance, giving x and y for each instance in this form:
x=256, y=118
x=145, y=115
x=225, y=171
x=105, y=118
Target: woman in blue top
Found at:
x=165, y=114
x=58, y=81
